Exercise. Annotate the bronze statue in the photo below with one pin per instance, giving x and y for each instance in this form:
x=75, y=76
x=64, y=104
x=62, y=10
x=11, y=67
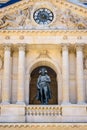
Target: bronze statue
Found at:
x=43, y=87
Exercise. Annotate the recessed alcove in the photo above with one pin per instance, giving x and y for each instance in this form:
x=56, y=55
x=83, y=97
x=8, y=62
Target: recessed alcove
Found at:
x=33, y=86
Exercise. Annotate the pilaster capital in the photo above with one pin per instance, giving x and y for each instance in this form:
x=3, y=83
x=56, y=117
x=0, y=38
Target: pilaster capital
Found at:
x=79, y=47
x=65, y=47
x=21, y=47
x=7, y=47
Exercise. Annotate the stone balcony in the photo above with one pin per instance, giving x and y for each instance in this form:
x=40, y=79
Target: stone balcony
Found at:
x=40, y=113
x=48, y=113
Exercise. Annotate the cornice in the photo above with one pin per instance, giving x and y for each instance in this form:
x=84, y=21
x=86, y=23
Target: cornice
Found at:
x=24, y=4
x=7, y=34
x=42, y=31
x=36, y=36
x=45, y=125
x=21, y=34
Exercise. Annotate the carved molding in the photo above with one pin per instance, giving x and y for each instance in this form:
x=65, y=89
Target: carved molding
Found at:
x=44, y=125
x=25, y=3
x=49, y=36
x=21, y=34
x=44, y=31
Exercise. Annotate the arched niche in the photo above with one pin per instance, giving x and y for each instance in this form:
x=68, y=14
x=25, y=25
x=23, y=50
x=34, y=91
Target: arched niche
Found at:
x=33, y=88
x=44, y=62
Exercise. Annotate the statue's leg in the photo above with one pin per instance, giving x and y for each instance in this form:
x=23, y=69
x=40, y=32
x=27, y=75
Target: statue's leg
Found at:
x=45, y=95
x=41, y=94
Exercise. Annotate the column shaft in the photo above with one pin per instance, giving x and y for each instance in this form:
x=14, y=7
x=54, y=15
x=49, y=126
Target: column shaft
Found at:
x=80, y=79
x=65, y=74
x=21, y=75
x=6, y=76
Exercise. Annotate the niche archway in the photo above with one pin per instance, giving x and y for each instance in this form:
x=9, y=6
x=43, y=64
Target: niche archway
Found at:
x=33, y=87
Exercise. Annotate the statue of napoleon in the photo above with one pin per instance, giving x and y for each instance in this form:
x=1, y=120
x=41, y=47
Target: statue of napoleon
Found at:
x=43, y=87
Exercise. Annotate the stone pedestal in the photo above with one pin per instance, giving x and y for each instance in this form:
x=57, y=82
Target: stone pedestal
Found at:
x=44, y=113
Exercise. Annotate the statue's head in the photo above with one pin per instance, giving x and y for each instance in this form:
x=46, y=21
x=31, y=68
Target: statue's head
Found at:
x=43, y=71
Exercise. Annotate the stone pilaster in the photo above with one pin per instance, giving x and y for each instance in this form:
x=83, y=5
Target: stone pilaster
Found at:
x=21, y=75
x=79, y=76
x=6, y=76
x=65, y=74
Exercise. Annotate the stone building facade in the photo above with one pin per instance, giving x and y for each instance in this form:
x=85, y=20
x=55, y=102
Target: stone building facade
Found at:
x=37, y=33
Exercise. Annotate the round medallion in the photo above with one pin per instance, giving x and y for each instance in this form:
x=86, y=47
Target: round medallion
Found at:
x=43, y=16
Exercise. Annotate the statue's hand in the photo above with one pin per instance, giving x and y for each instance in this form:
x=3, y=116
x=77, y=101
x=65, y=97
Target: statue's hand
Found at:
x=38, y=88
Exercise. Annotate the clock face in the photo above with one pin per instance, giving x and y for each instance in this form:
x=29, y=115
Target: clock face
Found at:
x=43, y=16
